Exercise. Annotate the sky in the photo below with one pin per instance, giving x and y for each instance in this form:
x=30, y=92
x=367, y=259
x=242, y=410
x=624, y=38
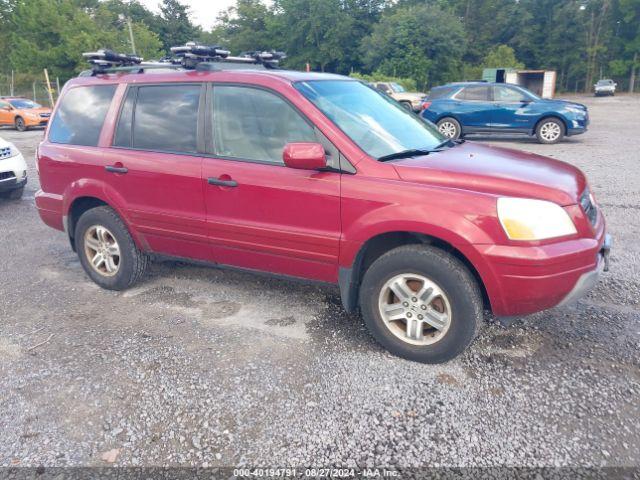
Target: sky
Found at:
x=203, y=12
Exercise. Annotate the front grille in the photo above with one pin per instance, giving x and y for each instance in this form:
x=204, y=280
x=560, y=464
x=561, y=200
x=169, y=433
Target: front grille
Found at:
x=6, y=175
x=45, y=115
x=5, y=152
x=588, y=207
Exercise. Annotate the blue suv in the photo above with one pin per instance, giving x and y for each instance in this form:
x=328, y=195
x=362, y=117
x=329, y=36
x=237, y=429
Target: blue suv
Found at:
x=478, y=107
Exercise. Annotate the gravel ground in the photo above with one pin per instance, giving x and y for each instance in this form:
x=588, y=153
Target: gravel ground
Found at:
x=207, y=367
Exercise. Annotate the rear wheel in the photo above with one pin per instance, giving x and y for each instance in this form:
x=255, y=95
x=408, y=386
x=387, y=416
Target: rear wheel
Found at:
x=550, y=130
x=450, y=128
x=20, y=125
x=421, y=303
x=407, y=105
x=107, y=252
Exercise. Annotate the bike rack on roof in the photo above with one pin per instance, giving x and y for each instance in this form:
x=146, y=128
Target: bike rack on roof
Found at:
x=191, y=56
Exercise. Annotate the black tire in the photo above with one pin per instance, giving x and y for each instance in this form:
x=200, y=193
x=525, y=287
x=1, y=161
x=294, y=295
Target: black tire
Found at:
x=449, y=123
x=554, y=125
x=450, y=275
x=407, y=105
x=14, y=194
x=19, y=124
x=132, y=262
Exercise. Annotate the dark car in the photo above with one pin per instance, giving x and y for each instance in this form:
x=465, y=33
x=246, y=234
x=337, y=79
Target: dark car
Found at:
x=477, y=107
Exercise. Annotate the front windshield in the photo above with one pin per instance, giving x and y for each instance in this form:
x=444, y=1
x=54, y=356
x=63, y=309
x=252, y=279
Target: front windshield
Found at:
x=398, y=88
x=23, y=103
x=376, y=123
x=605, y=82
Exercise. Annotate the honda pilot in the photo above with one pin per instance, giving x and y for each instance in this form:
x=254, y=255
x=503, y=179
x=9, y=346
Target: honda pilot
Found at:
x=320, y=177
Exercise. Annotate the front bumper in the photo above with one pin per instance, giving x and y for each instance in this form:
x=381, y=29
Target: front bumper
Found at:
x=521, y=280
x=12, y=184
x=15, y=170
x=589, y=280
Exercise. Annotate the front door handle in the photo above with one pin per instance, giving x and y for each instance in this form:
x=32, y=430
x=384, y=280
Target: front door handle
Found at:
x=114, y=169
x=222, y=183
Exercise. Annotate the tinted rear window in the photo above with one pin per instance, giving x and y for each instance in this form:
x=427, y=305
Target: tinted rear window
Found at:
x=165, y=118
x=436, y=93
x=80, y=116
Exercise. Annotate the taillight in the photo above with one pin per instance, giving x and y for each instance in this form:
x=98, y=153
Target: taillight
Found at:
x=425, y=105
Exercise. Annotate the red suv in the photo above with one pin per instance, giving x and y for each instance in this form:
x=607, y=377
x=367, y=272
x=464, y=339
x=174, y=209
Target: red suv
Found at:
x=316, y=176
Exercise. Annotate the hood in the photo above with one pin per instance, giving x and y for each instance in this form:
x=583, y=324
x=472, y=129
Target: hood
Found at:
x=564, y=103
x=36, y=110
x=411, y=96
x=496, y=170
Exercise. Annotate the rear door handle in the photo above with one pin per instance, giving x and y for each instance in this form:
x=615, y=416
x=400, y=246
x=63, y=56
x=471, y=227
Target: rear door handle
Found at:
x=112, y=169
x=222, y=183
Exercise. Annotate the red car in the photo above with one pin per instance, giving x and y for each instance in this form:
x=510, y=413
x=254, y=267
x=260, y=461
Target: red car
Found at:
x=320, y=177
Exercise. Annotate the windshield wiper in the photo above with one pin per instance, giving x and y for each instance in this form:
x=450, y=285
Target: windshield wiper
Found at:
x=412, y=152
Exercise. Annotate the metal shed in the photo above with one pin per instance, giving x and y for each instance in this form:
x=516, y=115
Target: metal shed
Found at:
x=540, y=82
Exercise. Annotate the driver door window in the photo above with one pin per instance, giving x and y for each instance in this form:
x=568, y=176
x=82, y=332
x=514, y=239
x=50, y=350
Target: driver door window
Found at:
x=508, y=95
x=253, y=124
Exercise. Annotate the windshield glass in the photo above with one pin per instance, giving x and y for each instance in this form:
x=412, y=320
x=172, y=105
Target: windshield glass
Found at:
x=397, y=88
x=377, y=124
x=23, y=103
x=605, y=82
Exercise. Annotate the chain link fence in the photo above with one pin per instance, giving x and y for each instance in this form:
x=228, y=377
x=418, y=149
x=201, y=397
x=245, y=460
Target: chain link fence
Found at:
x=30, y=86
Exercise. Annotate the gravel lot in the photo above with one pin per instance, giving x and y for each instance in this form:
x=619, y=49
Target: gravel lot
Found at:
x=201, y=366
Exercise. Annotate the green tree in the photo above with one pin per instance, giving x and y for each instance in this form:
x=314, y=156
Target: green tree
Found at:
x=501, y=56
x=248, y=25
x=313, y=31
x=423, y=42
x=174, y=25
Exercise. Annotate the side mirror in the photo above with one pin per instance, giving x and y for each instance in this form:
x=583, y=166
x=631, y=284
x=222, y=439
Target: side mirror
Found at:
x=304, y=156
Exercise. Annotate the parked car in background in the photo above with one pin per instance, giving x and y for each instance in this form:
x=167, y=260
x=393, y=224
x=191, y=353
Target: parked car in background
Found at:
x=22, y=113
x=460, y=109
x=409, y=100
x=320, y=177
x=13, y=171
x=605, y=86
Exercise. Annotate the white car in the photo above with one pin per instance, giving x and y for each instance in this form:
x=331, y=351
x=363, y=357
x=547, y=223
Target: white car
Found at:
x=605, y=86
x=13, y=171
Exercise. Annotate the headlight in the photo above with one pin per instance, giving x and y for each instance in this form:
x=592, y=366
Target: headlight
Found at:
x=13, y=151
x=528, y=219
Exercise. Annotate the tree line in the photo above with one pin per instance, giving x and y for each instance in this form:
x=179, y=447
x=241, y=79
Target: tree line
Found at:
x=424, y=42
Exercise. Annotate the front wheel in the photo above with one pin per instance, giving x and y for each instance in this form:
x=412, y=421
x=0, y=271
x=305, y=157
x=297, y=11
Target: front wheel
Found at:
x=421, y=303
x=14, y=194
x=107, y=252
x=20, y=125
x=550, y=130
x=450, y=128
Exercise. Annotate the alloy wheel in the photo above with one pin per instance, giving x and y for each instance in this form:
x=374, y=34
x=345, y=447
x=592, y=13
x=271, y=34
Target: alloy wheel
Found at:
x=415, y=309
x=448, y=129
x=550, y=131
x=102, y=250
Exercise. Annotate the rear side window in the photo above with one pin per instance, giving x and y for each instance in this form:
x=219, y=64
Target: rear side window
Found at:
x=159, y=118
x=436, y=93
x=253, y=124
x=79, y=118
x=479, y=93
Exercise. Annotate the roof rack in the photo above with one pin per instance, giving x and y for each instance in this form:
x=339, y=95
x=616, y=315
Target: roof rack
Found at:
x=191, y=56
